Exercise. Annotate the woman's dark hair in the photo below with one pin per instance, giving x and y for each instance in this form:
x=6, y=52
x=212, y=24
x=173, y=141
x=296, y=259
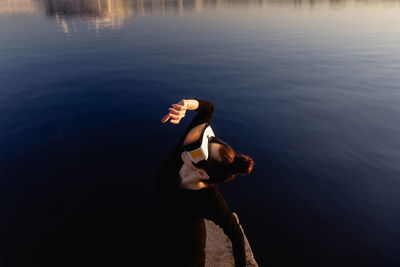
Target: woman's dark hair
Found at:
x=228, y=165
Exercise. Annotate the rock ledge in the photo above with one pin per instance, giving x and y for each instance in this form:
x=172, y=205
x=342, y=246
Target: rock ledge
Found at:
x=219, y=247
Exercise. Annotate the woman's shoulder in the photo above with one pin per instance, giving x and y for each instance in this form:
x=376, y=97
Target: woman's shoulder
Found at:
x=214, y=194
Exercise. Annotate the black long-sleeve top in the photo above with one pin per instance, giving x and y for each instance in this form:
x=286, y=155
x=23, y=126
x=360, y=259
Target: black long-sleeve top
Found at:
x=197, y=204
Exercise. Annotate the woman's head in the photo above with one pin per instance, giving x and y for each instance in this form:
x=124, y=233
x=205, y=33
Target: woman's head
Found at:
x=224, y=164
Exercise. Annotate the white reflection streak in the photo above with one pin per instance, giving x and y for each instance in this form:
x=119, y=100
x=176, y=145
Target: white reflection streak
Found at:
x=65, y=27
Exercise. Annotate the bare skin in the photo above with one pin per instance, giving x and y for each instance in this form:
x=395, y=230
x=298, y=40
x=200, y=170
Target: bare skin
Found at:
x=178, y=110
x=192, y=178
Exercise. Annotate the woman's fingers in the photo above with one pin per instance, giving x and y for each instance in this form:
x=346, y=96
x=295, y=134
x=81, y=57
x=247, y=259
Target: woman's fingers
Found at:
x=174, y=111
x=175, y=114
x=178, y=107
x=175, y=117
x=165, y=118
x=172, y=116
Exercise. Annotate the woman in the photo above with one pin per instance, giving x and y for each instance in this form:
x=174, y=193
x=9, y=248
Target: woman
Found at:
x=188, y=182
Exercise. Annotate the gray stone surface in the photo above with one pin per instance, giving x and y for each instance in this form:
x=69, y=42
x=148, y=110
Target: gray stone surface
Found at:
x=219, y=247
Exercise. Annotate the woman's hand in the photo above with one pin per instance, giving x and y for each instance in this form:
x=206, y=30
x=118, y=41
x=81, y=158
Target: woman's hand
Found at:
x=177, y=112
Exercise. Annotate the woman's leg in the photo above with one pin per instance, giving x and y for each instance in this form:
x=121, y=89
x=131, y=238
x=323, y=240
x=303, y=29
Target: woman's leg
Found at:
x=196, y=244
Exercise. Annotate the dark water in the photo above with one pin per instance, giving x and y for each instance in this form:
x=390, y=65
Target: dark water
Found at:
x=309, y=89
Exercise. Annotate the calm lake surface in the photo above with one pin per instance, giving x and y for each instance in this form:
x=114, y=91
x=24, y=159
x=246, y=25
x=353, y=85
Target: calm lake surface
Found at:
x=309, y=89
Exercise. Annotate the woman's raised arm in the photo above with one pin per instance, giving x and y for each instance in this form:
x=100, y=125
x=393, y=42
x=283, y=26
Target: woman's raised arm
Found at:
x=178, y=110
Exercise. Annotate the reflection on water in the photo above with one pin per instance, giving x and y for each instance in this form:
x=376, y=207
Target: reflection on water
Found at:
x=129, y=8
x=113, y=14
x=99, y=14
x=18, y=6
